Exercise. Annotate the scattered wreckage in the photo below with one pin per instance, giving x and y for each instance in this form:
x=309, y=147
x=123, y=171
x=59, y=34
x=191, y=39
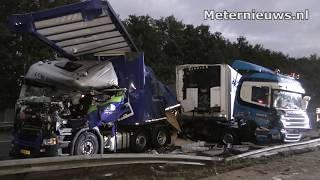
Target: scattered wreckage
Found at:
x=101, y=97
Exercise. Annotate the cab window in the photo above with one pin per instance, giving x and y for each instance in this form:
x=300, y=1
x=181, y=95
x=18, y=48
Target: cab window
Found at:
x=253, y=93
x=260, y=95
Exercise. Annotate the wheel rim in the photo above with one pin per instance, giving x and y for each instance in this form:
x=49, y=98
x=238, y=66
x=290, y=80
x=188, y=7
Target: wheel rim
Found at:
x=228, y=138
x=141, y=141
x=161, y=138
x=87, y=148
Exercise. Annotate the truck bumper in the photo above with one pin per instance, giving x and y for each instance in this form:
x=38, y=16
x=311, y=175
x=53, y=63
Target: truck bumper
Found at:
x=23, y=151
x=277, y=135
x=292, y=135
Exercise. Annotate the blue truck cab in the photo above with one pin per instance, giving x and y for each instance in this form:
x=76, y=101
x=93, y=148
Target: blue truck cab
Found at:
x=97, y=96
x=274, y=102
x=241, y=102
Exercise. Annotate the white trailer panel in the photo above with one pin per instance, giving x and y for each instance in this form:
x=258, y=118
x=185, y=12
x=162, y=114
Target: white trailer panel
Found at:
x=211, y=87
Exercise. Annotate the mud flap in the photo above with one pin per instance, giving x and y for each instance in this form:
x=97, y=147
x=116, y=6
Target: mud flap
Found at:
x=172, y=120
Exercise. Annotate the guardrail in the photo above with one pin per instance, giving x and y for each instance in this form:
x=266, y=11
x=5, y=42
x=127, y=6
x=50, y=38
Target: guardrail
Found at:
x=273, y=150
x=10, y=167
x=4, y=124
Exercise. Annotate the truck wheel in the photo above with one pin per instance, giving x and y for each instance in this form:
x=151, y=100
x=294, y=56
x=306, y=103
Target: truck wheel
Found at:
x=162, y=137
x=139, y=141
x=86, y=144
x=229, y=137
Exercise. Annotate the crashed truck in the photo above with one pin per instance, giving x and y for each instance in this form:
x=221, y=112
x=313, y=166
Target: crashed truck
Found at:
x=97, y=97
x=242, y=102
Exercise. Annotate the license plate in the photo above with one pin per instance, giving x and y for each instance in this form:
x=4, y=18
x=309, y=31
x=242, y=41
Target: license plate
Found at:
x=25, y=152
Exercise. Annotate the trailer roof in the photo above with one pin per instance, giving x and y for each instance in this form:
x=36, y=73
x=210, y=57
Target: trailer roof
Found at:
x=77, y=29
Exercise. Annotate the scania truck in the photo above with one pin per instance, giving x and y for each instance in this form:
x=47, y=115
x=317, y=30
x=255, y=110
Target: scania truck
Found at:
x=241, y=102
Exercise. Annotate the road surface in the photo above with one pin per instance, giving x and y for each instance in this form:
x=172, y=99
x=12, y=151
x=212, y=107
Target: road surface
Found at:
x=298, y=167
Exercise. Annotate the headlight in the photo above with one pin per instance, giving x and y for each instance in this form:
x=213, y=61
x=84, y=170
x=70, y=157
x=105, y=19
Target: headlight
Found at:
x=283, y=131
x=110, y=124
x=49, y=142
x=111, y=107
x=280, y=112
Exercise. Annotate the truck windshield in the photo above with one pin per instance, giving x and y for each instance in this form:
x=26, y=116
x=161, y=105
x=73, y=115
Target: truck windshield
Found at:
x=287, y=100
x=29, y=90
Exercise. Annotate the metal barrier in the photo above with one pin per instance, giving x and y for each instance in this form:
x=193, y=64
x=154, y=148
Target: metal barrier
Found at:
x=10, y=167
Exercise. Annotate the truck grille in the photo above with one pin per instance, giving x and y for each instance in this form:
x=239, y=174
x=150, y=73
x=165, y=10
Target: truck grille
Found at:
x=295, y=120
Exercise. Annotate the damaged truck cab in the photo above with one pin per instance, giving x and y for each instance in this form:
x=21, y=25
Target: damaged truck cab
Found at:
x=274, y=102
x=60, y=113
x=99, y=97
x=259, y=105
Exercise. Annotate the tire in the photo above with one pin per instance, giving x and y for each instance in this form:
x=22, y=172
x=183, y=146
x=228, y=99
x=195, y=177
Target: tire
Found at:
x=140, y=141
x=162, y=137
x=229, y=137
x=86, y=144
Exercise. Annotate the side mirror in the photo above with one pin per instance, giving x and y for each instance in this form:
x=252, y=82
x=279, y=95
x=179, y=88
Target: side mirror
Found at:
x=305, y=102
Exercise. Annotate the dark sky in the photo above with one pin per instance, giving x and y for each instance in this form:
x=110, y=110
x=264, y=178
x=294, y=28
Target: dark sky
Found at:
x=295, y=38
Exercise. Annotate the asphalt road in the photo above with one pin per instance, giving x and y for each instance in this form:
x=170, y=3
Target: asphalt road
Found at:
x=303, y=166
x=296, y=167
x=292, y=167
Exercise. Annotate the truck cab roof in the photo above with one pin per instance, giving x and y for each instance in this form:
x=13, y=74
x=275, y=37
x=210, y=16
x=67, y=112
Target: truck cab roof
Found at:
x=262, y=74
x=89, y=27
x=277, y=81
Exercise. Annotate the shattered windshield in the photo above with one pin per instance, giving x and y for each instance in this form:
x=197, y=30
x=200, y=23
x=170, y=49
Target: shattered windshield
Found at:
x=287, y=100
x=29, y=90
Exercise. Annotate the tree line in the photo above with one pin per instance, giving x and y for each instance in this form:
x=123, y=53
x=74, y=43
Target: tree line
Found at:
x=166, y=42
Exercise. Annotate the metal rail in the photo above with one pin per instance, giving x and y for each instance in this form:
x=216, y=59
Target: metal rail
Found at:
x=273, y=150
x=10, y=167
x=6, y=124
